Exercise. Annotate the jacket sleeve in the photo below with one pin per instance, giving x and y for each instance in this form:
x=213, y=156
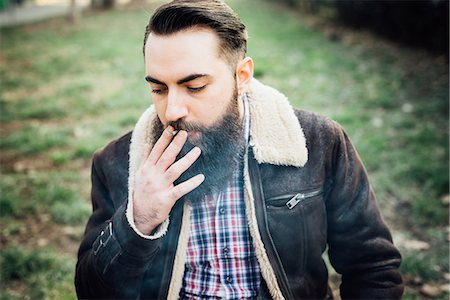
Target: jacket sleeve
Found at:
x=112, y=257
x=360, y=244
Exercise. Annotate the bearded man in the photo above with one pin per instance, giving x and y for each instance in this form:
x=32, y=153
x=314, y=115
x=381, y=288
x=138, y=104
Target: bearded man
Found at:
x=223, y=190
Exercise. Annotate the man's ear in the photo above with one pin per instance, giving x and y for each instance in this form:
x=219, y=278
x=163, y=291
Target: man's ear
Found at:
x=244, y=74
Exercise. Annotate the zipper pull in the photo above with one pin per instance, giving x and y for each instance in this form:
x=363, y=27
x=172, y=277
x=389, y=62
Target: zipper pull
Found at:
x=294, y=201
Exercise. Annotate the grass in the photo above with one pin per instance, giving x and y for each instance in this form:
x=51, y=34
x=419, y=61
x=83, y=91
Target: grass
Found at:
x=67, y=90
x=44, y=274
x=39, y=193
x=32, y=140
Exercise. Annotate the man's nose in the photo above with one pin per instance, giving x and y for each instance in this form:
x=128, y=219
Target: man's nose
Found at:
x=176, y=107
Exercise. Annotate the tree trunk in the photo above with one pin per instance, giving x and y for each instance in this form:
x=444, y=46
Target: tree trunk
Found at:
x=74, y=12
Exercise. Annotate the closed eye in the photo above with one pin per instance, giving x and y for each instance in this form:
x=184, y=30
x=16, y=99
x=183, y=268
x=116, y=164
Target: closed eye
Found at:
x=159, y=91
x=196, y=89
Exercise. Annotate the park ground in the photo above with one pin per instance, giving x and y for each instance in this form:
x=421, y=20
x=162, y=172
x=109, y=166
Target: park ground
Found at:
x=66, y=90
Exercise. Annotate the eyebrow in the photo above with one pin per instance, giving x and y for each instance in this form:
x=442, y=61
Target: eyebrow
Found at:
x=181, y=81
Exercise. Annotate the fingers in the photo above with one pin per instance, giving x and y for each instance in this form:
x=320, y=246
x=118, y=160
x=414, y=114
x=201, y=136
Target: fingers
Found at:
x=146, y=152
x=170, y=154
x=161, y=145
x=182, y=164
x=185, y=187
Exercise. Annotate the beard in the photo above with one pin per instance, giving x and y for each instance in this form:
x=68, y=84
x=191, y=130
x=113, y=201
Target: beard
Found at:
x=222, y=148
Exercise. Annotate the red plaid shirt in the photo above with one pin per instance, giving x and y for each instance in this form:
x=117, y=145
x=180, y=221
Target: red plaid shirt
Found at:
x=221, y=261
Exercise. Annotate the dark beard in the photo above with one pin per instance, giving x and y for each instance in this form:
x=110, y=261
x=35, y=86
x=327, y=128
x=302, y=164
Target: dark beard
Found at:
x=222, y=149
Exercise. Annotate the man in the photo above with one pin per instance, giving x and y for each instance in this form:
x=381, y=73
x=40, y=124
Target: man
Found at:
x=223, y=190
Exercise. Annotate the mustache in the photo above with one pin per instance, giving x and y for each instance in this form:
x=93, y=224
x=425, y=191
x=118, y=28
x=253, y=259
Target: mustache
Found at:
x=186, y=126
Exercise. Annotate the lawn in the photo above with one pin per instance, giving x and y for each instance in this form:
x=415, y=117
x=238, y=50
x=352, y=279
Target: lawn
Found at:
x=66, y=90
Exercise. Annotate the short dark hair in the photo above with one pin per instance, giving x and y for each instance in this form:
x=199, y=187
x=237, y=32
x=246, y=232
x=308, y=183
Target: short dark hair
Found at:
x=181, y=15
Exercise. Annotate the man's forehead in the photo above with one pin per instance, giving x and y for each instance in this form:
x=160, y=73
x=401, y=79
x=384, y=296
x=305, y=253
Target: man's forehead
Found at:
x=196, y=38
x=193, y=51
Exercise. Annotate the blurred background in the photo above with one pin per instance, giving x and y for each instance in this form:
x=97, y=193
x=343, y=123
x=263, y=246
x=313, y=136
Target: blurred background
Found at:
x=72, y=79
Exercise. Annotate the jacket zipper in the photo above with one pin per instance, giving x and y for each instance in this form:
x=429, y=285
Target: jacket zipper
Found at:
x=300, y=196
x=295, y=199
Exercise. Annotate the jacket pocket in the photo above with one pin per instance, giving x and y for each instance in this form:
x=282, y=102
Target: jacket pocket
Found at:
x=289, y=225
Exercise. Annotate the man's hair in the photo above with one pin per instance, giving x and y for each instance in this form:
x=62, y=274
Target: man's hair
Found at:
x=180, y=15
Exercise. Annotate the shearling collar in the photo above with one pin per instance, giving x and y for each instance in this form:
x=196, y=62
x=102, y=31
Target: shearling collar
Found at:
x=275, y=132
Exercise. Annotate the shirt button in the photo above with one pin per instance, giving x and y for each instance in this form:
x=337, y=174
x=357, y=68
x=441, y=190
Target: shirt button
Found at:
x=225, y=251
x=228, y=279
x=222, y=210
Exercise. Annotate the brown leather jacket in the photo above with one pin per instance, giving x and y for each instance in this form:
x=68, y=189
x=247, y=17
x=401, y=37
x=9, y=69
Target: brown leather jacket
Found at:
x=305, y=190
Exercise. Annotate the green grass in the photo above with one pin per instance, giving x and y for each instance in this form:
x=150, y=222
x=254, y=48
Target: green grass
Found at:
x=32, y=140
x=72, y=213
x=39, y=193
x=59, y=158
x=46, y=274
x=67, y=90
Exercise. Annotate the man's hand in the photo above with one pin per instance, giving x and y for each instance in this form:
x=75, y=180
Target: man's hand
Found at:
x=154, y=191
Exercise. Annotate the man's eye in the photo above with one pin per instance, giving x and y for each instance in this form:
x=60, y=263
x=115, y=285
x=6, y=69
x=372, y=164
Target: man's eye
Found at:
x=158, y=91
x=196, y=89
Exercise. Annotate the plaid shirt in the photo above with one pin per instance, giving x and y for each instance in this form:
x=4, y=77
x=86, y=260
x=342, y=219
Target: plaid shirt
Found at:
x=221, y=261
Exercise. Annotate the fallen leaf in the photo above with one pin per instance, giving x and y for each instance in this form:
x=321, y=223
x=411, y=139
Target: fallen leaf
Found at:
x=429, y=290
x=416, y=245
x=42, y=242
x=445, y=287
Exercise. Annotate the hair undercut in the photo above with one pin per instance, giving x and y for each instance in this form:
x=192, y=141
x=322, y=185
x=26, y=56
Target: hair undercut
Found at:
x=180, y=15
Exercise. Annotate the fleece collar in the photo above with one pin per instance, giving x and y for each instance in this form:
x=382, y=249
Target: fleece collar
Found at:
x=275, y=132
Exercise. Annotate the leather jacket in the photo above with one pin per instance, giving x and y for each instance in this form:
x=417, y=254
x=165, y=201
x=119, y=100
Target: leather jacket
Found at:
x=306, y=190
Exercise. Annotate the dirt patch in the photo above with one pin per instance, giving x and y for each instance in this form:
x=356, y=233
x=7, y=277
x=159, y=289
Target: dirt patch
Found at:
x=39, y=232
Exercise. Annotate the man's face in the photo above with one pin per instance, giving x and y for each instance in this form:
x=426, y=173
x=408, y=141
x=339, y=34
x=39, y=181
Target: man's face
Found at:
x=193, y=89
x=188, y=79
